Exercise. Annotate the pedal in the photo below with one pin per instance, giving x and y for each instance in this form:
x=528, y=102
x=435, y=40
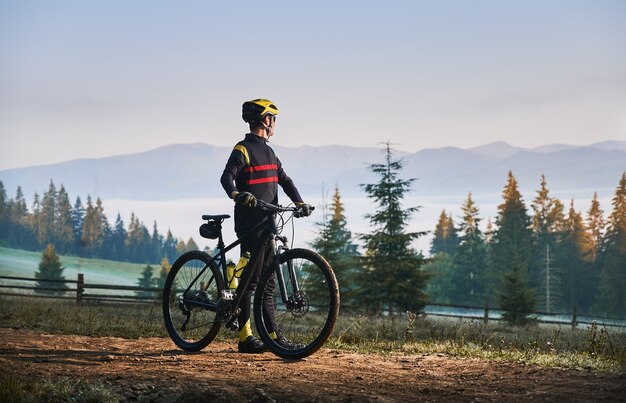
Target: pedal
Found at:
x=233, y=324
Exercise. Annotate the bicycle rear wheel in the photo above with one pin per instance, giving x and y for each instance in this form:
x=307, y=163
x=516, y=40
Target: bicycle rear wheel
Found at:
x=190, y=318
x=307, y=316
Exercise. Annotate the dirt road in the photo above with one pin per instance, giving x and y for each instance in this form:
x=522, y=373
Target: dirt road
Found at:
x=152, y=369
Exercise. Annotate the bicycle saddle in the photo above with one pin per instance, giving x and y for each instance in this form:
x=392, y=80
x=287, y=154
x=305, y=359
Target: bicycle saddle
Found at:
x=215, y=217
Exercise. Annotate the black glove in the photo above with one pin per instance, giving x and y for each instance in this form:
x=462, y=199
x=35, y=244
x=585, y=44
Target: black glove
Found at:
x=304, y=210
x=245, y=199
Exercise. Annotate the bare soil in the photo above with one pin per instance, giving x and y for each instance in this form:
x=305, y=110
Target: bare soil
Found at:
x=153, y=369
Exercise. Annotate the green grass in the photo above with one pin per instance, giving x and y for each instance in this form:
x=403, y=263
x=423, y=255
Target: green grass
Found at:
x=21, y=263
x=587, y=347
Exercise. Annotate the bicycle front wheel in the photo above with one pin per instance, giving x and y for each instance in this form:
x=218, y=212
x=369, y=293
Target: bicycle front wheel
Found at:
x=306, y=315
x=190, y=296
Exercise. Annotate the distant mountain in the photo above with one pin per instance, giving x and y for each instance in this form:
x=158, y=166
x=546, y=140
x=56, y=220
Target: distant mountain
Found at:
x=183, y=171
x=498, y=149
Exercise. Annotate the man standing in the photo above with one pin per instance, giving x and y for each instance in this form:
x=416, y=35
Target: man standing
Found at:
x=254, y=172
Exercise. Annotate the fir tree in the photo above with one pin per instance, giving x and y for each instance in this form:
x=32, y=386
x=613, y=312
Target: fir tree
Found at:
x=64, y=231
x=78, y=214
x=163, y=272
x=547, y=224
x=470, y=260
x=146, y=281
x=446, y=239
x=50, y=269
x=393, y=274
x=595, y=229
x=516, y=299
x=92, y=234
x=612, y=258
x=334, y=242
x=46, y=234
x=578, y=286
x=4, y=212
x=511, y=250
x=119, y=239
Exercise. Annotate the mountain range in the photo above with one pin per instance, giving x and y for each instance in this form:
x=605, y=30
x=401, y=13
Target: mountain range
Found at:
x=183, y=171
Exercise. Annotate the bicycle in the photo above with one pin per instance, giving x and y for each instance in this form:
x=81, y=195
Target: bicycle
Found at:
x=197, y=302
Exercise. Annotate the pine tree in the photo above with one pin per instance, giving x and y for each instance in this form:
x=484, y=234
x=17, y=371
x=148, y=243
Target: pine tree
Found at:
x=119, y=239
x=446, y=239
x=470, y=260
x=578, y=285
x=4, y=213
x=334, y=242
x=35, y=219
x=595, y=229
x=146, y=281
x=393, y=274
x=191, y=244
x=169, y=246
x=612, y=258
x=64, y=231
x=50, y=269
x=78, y=214
x=516, y=299
x=92, y=234
x=20, y=231
x=547, y=224
x=163, y=272
x=47, y=216
x=511, y=251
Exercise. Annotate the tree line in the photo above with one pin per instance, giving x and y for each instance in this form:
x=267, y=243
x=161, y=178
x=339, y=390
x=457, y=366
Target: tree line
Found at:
x=82, y=229
x=553, y=260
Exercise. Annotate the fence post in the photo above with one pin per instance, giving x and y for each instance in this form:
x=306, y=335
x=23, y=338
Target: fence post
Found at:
x=486, y=317
x=574, y=318
x=79, y=288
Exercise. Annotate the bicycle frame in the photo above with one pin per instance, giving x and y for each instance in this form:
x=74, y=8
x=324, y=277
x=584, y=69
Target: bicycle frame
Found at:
x=268, y=229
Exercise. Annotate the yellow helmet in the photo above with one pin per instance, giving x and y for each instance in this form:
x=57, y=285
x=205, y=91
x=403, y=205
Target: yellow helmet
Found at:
x=256, y=109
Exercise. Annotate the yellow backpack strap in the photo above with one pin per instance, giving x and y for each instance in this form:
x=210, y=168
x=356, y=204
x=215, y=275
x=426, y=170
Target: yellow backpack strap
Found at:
x=243, y=150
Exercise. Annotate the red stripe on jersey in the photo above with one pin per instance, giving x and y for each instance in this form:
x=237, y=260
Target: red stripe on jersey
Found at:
x=262, y=180
x=260, y=168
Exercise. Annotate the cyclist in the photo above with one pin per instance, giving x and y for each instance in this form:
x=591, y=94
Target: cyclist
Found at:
x=254, y=172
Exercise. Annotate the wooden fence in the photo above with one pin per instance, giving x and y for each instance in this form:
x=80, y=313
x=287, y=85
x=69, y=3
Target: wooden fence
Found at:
x=78, y=288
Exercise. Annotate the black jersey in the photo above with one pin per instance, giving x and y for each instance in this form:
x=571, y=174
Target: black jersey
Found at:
x=253, y=167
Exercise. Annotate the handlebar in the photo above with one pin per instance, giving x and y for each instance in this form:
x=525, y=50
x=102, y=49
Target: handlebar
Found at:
x=263, y=205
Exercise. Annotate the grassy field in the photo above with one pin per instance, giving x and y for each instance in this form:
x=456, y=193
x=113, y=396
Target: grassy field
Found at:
x=590, y=348
x=14, y=262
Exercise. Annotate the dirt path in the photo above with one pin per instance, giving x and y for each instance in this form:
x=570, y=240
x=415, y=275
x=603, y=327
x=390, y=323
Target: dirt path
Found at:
x=152, y=369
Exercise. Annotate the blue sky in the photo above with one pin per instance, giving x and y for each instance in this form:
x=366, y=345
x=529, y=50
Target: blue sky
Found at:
x=98, y=78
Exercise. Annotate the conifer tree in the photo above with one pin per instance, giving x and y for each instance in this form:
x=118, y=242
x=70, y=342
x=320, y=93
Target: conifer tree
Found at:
x=547, y=224
x=119, y=239
x=20, y=231
x=4, y=212
x=191, y=244
x=35, y=219
x=470, y=260
x=78, y=214
x=334, y=242
x=578, y=287
x=46, y=234
x=64, y=231
x=511, y=252
x=163, y=272
x=595, y=229
x=612, y=258
x=146, y=281
x=441, y=288
x=393, y=276
x=92, y=236
x=169, y=246
x=446, y=239
x=50, y=269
